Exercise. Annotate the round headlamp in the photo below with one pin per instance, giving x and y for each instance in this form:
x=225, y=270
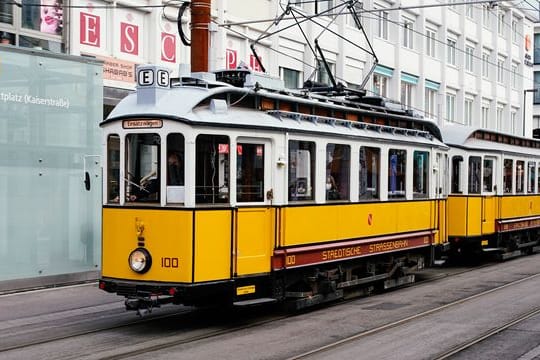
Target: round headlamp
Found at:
x=140, y=260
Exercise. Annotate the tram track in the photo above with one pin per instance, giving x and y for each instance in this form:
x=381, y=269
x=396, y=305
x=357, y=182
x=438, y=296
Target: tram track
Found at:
x=168, y=341
x=328, y=348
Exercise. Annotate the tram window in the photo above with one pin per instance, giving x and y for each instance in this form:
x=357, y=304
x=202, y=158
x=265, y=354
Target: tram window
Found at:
x=457, y=163
x=113, y=168
x=249, y=172
x=508, y=176
x=142, y=167
x=531, y=176
x=397, y=166
x=301, y=170
x=538, y=180
x=212, y=169
x=520, y=172
x=420, y=174
x=474, y=174
x=488, y=175
x=175, y=168
x=338, y=169
x=369, y=173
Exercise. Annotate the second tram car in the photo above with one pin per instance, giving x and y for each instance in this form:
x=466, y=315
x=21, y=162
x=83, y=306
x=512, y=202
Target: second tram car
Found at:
x=494, y=201
x=215, y=193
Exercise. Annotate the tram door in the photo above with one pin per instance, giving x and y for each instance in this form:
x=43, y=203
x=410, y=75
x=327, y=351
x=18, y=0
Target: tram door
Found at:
x=254, y=216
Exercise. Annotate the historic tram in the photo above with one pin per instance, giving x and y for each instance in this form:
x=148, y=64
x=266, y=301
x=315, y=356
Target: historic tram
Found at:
x=224, y=188
x=494, y=201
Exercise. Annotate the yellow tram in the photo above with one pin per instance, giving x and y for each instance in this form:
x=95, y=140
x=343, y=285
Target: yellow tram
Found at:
x=494, y=201
x=224, y=188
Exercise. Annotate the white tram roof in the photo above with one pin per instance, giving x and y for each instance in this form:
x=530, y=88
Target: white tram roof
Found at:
x=183, y=103
x=473, y=138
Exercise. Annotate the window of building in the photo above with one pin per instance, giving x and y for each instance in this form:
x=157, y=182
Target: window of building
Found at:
x=430, y=103
x=508, y=176
x=468, y=111
x=485, y=115
x=488, y=175
x=450, y=107
x=397, y=170
x=485, y=64
x=113, y=168
x=536, y=57
x=406, y=94
x=382, y=25
x=514, y=76
x=290, y=77
x=500, y=111
x=515, y=31
x=457, y=163
x=469, y=10
x=6, y=13
x=474, y=174
x=301, y=170
x=486, y=15
x=338, y=170
x=142, y=164
x=358, y=6
x=408, y=33
x=451, y=51
x=324, y=6
x=500, y=23
x=520, y=176
x=297, y=3
x=431, y=36
x=322, y=74
x=531, y=171
x=500, y=70
x=212, y=169
x=420, y=174
x=513, y=121
x=469, y=58
x=380, y=85
x=536, y=96
x=250, y=172
x=369, y=173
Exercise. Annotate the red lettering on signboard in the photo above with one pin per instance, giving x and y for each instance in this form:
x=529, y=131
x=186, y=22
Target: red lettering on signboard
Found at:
x=129, y=38
x=168, y=47
x=254, y=64
x=231, y=58
x=89, y=29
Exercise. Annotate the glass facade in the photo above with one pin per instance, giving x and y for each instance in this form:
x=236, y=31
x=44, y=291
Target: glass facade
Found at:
x=50, y=108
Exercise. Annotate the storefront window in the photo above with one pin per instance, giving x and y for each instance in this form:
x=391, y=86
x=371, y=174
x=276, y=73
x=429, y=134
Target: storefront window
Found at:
x=45, y=16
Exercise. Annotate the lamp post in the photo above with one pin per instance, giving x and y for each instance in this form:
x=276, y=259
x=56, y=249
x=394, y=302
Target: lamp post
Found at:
x=524, y=102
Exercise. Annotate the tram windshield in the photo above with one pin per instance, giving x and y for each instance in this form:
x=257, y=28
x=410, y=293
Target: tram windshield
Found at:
x=142, y=167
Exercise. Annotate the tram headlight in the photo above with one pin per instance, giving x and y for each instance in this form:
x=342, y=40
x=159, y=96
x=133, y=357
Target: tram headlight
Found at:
x=140, y=260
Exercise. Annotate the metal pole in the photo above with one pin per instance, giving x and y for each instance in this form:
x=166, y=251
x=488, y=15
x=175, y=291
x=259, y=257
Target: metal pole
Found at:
x=200, y=21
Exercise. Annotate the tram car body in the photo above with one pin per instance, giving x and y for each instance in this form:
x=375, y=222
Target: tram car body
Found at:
x=281, y=196
x=494, y=201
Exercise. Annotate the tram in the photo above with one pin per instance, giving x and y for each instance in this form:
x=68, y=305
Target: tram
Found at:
x=494, y=201
x=224, y=188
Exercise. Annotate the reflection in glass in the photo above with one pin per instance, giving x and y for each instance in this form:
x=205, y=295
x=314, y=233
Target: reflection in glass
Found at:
x=249, y=172
x=212, y=169
x=369, y=173
x=397, y=168
x=301, y=170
